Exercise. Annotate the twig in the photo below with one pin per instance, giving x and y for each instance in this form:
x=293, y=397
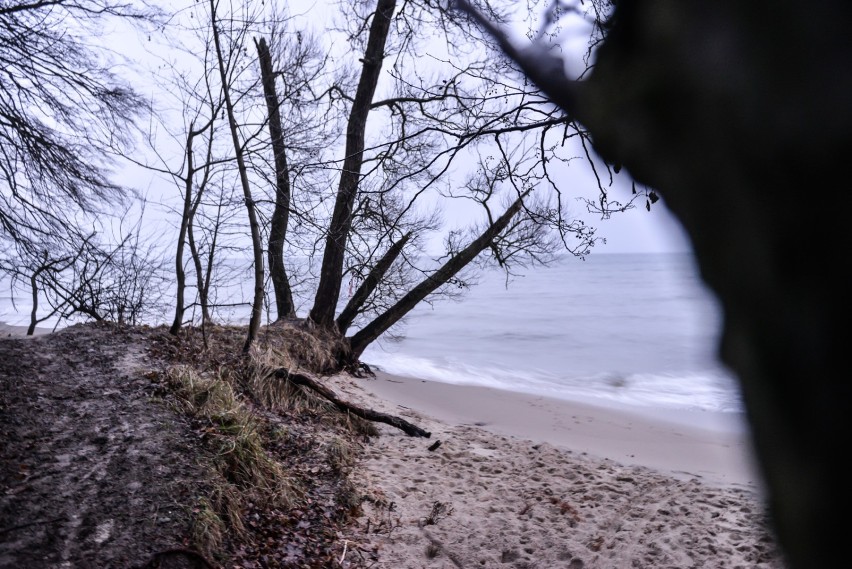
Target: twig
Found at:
x=345, y=544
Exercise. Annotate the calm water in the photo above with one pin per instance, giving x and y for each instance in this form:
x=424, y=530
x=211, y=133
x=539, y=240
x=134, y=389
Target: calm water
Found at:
x=633, y=329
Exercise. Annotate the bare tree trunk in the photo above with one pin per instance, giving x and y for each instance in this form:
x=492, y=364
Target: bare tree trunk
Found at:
x=281, y=213
x=254, y=226
x=377, y=327
x=34, y=311
x=180, y=274
x=328, y=290
x=370, y=283
x=202, y=279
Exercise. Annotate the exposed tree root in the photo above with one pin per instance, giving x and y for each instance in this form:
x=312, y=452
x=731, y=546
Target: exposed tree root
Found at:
x=368, y=414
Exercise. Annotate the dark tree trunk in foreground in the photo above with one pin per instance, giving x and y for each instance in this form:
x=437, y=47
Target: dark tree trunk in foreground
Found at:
x=328, y=290
x=281, y=213
x=254, y=226
x=744, y=139
x=359, y=342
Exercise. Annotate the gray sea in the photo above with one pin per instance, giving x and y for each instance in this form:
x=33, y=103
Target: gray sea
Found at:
x=631, y=329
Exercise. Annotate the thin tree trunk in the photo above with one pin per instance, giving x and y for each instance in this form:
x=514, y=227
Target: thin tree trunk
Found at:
x=199, y=271
x=281, y=213
x=180, y=274
x=202, y=279
x=377, y=327
x=254, y=226
x=34, y=311
x=370, y=283
x=328, y=290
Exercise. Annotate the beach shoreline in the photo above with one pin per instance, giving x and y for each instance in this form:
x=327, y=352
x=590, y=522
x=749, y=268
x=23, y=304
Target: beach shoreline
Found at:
x=714, y=447
x=505, y=479
x=521, y=481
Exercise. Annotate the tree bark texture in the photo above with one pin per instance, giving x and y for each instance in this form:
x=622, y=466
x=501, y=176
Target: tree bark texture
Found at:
x=744, y=138
x=328, y=290
x=281, y=213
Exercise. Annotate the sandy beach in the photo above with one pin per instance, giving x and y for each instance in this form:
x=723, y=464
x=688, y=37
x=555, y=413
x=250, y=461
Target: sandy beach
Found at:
x=524, y=481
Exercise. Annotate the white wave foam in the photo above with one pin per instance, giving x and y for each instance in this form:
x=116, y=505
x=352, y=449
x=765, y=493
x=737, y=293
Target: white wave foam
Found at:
x=703, y=391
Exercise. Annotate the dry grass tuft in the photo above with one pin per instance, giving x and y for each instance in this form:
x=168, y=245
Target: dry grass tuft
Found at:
x=208, y=529
x=202, y=396
x=295, y=347
x=244, y=471
x=275, y=393
x=228, y=501
x=272, y=446
x=341, y=454
x=300, y=346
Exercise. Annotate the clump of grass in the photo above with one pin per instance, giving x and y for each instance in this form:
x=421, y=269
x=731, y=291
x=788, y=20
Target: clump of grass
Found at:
x=242, y=461
x=340, y=454
x=440, y=510
x=228, y=502
x=299, y=345
x=244, y=471
x=432, y=551
x=293, y=348
x=279, y=394
x=202, y=395
x=208, y=528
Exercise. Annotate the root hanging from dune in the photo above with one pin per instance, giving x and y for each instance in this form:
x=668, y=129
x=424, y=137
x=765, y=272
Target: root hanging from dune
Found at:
x=314, y=385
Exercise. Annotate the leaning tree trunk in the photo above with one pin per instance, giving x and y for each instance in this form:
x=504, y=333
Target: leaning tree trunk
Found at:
x=316, y=386
x=254, y=226
x=281, y=213
x=370, y=283
x=328, y=290
x=448, y=270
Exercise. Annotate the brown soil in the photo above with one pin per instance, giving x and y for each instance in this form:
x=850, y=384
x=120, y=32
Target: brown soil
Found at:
x=93, y=471
x=98, y=470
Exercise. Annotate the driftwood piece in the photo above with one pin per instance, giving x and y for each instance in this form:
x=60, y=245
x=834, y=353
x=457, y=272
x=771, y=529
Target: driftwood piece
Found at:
x=368, y=414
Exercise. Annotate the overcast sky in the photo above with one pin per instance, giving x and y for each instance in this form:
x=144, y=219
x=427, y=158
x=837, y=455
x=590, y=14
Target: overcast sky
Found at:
x=634, y=231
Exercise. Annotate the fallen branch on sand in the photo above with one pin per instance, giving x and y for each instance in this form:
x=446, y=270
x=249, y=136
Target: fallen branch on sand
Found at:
x=314, y=385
